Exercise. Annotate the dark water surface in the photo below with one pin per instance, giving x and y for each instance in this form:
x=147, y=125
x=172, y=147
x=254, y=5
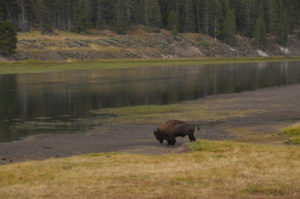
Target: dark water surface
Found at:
x=56, y=102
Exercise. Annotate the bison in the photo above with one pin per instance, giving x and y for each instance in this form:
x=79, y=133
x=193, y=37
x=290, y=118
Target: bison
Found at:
x=171, y=129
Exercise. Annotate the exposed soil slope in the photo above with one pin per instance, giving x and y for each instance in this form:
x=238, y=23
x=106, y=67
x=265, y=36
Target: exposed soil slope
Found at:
x=139, y=43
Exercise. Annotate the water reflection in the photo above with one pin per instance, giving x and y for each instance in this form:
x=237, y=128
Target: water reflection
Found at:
x=63, y=96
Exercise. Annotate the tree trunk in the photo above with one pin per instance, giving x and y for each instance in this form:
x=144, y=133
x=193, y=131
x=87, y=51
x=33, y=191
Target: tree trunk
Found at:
x=99, y=15
x=198, y=16
x=206, y=18
x=146, y=12
x=215, y=29
x=128, y=10
x=23, y=24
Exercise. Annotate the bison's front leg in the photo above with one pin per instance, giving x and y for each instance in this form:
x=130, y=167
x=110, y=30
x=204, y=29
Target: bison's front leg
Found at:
x=192, y=137
x=171, y=140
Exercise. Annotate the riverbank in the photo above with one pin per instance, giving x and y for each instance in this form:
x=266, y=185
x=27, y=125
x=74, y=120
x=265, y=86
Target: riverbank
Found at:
x=52, y=66
x=252, y=116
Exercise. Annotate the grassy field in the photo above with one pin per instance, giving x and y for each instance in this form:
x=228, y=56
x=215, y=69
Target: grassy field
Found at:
x=212, y=170
x=48, y=66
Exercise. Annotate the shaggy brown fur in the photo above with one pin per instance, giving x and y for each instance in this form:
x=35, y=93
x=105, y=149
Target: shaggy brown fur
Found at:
x=171, y=129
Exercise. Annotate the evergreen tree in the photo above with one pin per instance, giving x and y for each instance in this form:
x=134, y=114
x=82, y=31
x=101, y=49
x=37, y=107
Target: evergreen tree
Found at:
x=173, y=23
x=273, y=19
x=1, y=11
x=189, y=17
x=155, y=15
x=120, y=17
x=108, y=12
x=97, y=14
x=144, y=15
x=11, y=10
x=185, y=15
x=215, y=18
x=229, y=28
x=198, y=15
x=250, y=8
x=81, y=17
x=45, y=21
x=239, y=7
x=8, y=38
x=260, y=34
x=282, y=29
x=206, y=17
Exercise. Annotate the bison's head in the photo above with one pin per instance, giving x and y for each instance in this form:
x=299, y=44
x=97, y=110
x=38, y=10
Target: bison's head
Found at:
x=158, y=136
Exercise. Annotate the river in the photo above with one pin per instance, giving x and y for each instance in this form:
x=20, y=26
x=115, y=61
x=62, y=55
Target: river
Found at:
x=58, y=102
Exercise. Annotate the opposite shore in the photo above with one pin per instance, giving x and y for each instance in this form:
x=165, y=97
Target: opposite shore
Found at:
x=35, y=66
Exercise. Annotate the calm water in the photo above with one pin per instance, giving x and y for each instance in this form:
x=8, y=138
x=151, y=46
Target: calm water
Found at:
x=55, y=102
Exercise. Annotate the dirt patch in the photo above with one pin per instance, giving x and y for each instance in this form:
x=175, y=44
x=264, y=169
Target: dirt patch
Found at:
x=280, y=107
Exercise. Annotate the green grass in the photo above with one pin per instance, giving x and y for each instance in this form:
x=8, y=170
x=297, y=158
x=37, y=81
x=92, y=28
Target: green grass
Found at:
x=212, y=170
x=216, y=147
x=292, y=133
x=47, y=66
x=209, y=110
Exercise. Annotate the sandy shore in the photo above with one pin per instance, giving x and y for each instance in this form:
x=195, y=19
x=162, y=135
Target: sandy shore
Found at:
x=279, y=107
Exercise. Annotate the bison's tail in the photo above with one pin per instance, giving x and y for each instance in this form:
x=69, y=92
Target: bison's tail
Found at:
x=198, y=127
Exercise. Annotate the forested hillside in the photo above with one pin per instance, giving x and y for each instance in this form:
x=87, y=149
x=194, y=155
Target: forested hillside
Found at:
x=221, y=19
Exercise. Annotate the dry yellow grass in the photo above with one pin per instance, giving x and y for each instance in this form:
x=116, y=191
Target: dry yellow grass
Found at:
x=259, y=133
x=58, y=35
x=214, y=170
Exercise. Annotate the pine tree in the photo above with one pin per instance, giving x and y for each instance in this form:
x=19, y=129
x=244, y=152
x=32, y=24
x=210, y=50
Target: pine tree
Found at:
x=155, y=15
x=45, y=21
x=282, y=29
x=189, y=17
x=260, y=34
x=11, y=10
x=1, y=11
x=108, y=11
x=207, y=16
x=229, y=28
x=132, y=11
x=173, y=23
x=198, y=15
x=214, y=19
x=293, y=12
x=273, y=19
x=186, y=20
x=8, y=38
x=81, y=17
x=250, y=8
x=120, y=17
x=240, y=13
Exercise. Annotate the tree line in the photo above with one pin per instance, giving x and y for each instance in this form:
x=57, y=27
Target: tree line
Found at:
x=221, y=19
